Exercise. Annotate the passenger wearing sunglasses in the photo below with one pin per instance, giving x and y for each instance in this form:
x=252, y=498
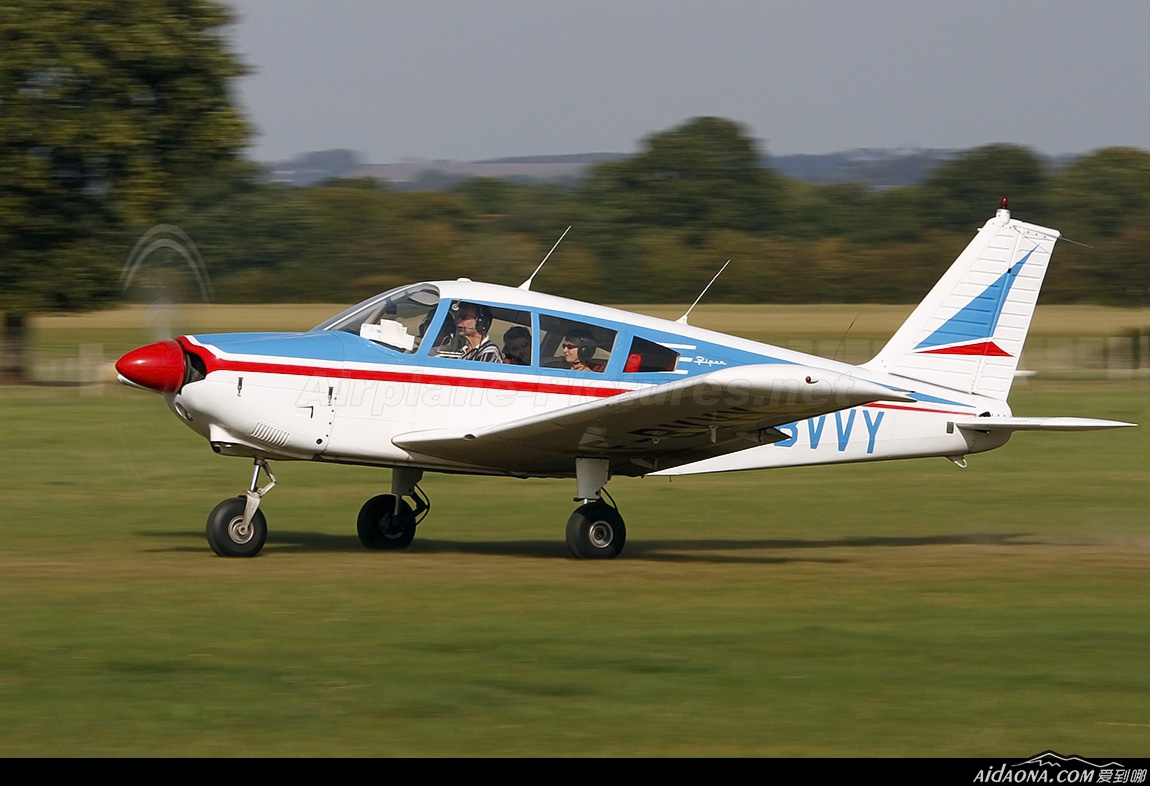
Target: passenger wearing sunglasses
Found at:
x=579, y=351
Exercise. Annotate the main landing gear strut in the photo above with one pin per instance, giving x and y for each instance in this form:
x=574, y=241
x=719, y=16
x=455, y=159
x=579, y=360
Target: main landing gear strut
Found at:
x=595, y=530
x=388, y=521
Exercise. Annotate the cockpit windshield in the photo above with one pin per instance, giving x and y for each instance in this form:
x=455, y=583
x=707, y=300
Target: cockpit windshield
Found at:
x=398, y=318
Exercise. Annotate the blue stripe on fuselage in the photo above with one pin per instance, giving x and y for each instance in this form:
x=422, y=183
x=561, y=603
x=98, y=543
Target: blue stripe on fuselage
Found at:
x=695, y=357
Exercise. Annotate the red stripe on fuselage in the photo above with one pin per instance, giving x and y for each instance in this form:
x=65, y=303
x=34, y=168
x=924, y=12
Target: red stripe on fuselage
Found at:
x=917, y=409
x=215, y=363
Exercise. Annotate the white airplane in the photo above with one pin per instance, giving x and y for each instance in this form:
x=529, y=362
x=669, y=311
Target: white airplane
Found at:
x=586, y=392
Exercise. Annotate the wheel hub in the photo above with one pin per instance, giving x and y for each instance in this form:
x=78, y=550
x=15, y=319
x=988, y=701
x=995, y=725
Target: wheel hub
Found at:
x=601, y=534
x=240, y=532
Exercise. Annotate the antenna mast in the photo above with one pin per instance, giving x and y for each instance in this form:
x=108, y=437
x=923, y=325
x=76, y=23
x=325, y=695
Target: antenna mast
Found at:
x=527, y=284
x=683, y=319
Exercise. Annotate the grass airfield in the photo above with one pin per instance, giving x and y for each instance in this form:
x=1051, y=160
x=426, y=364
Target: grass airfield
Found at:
x=896, y=609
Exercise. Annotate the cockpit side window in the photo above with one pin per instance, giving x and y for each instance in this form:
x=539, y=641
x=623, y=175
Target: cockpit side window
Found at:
x=481, y=332
x=571, y=344
x=398, y=319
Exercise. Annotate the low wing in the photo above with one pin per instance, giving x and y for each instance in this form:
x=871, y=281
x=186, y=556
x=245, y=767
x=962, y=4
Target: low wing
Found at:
x=656, y=427
x=1039, y=424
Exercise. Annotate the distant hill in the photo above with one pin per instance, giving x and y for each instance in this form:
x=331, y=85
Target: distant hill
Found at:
x=871, y=167
x=875, y=168
x=311, y=168
x=562, y=170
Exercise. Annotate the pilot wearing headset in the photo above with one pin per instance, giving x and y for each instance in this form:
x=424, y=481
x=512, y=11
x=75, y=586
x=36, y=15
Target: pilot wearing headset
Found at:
x=579, y=351
x=471, y=325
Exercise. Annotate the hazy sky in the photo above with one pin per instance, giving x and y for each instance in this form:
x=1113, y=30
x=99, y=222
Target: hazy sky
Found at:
x=440, y=79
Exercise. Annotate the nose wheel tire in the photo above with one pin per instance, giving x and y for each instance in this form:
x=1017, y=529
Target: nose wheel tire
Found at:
x=227, y=534
x=596, y=531
x=380, y=528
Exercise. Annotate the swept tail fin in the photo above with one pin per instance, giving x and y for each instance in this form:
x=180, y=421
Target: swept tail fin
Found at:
x=967, y=334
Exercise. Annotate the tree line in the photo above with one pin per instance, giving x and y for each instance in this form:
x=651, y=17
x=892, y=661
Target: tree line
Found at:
x=654, y=227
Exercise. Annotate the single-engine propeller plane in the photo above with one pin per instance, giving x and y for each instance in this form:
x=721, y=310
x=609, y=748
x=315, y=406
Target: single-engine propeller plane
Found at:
x=415, y=379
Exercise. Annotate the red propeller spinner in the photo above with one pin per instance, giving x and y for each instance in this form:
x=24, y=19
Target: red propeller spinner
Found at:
x=159, y=366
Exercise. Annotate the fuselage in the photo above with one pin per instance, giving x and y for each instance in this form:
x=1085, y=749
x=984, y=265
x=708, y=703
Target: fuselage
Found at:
x=331, y=394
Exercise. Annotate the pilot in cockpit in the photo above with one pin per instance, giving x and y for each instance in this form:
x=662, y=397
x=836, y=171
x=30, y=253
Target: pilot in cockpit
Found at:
x=470, y=342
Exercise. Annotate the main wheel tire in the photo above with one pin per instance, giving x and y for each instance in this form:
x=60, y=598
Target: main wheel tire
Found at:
x=380, y=528
x=227, y=534
x=596, y=531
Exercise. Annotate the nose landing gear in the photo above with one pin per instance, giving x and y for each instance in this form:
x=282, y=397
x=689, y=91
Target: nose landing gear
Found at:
x=237, y=527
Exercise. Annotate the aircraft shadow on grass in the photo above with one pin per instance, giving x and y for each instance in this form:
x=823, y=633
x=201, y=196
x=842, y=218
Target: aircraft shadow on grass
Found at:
x=712, y=550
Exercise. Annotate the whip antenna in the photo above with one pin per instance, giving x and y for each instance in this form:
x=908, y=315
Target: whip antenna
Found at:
x=527, y=284
x=844, y=337
x=683, y=319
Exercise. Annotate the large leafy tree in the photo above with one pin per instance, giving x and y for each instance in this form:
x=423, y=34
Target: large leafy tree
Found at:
x=704, y=174
x=1101, y=193
x=106, y=109
x=697, y=178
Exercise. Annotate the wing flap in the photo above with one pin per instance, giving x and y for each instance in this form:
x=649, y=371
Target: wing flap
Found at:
x=659, y=426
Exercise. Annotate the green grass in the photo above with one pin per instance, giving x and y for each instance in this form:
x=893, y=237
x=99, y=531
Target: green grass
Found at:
x=900, y=609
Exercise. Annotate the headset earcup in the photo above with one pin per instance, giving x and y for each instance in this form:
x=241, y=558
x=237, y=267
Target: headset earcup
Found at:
x=586, y=350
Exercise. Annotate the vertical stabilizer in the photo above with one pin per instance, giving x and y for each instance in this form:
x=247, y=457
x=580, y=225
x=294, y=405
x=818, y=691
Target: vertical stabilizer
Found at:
x=968, y=333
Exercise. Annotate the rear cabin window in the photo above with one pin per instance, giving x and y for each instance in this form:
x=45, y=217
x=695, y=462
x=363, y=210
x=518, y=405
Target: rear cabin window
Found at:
x=571, y=344
x=647, y=356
